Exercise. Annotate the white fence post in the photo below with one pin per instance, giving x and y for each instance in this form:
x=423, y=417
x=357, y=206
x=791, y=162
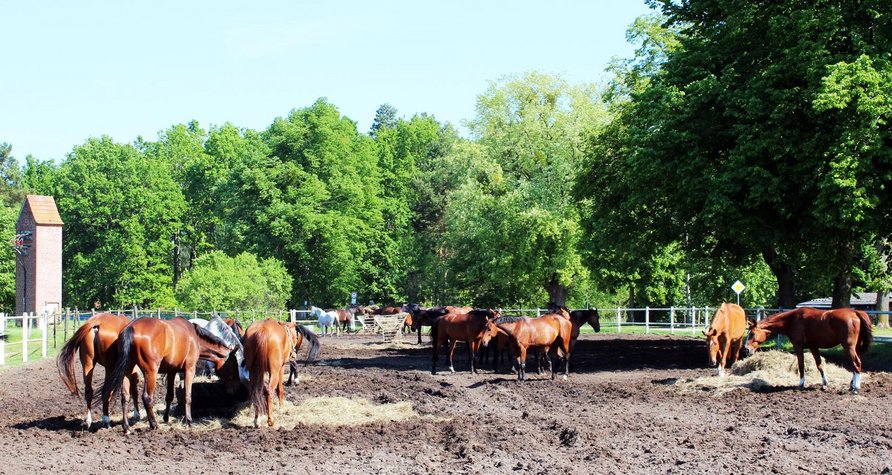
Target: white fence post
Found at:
x=705, y=316
x=619, y=326
x=647, y=319
x=26, y=333
x=2, y=340
x=671, y=320
x=43, y=332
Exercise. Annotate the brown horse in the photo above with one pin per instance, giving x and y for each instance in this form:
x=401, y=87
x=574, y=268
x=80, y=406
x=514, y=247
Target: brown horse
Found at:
x=95, y=342
x=299, y=333
x=166, y=347
x=551, y=332
x=419, y=317
x=814, y=329
x=268, y=346
x=725, y=335
x=455, y=327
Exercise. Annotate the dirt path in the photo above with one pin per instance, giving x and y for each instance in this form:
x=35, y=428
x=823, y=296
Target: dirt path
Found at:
x=617, y=413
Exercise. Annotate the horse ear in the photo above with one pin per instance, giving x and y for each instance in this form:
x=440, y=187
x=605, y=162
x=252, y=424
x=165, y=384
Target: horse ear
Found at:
x=751, y=324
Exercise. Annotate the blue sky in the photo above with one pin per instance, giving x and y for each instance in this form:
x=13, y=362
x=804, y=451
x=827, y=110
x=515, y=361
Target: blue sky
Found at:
x=72, y=70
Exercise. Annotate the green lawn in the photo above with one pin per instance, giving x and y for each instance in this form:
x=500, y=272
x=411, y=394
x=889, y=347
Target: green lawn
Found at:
x=14, y=344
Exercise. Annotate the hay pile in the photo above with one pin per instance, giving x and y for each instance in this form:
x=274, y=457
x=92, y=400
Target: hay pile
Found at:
x=766, y=371
x=325, y=411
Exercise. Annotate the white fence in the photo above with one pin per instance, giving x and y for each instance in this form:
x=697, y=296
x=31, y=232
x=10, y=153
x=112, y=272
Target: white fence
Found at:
x=27, y=335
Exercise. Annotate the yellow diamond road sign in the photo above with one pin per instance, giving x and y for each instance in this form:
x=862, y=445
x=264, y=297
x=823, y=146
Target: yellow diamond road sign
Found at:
x=738, y=287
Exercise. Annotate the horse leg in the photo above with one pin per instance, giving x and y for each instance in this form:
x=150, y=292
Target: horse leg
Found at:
x=168, y=398
x=800, y=359
x=471, y=351
x=723, y=361
x=88, y=396
x=522, y=364
x=820, y=365
x=855, y=386
x=188, y=377
x=452, y=344
x=419, y=334
x=268, y=392
x=133, y=381
x=148, y=394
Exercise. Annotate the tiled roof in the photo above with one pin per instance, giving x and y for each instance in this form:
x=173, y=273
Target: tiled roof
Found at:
x=859, y=299
x=43, y=208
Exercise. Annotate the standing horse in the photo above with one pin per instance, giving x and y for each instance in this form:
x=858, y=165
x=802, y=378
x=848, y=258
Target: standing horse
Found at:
x=95, y=342
x=299, y=333
x=419, y=317
x=813, y=329
x=230, y=332
x=725, y=335
x=550, y=332
x=327, y=321
x=454, y=327
x=268, y=346
x=167, y=347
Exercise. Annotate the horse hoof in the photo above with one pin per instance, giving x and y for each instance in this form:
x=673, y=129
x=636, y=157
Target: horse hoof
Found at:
x=855, y=392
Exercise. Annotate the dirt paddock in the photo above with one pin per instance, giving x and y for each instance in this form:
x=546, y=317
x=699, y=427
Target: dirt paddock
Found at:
x=620, y=411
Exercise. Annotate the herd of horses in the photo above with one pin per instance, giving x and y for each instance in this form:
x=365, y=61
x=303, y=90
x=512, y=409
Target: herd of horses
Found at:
x=256, y=357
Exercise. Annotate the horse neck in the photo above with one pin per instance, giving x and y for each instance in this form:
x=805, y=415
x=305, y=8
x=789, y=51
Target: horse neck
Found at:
x=777, y=323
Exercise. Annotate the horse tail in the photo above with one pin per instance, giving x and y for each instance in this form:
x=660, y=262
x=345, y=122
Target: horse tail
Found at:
x=313, y=352
x=115, y=377
x=258, y=364
x=865, y=336
x=65, y=359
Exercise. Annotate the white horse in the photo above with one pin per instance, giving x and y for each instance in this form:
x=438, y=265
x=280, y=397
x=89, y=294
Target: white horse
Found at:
x=327, y=321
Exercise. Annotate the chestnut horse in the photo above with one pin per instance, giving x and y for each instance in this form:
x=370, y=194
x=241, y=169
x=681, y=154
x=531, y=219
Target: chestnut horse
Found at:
x=814, y=329
x=95, y=342
x=419, y=317
x=268, y=346
x=725, y=335
x=456, y=327
x=166, y=347
x=551, y=332
x=299, y=333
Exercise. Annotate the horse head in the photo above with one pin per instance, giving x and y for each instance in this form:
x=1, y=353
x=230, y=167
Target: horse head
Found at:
x=712, y=345
x=489, y=332
x=757, y=336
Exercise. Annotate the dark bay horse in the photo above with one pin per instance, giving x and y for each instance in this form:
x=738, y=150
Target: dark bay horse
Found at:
x=550, y=332
x=419, y=317
x=455, y=327
x=814, y=329
x=165, y=347
x=725, y=335
x=95, y=343
x=300, y=333
x=268, y=346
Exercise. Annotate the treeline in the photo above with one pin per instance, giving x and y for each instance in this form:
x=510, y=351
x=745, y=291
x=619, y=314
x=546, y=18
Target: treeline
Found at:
x=745, y=140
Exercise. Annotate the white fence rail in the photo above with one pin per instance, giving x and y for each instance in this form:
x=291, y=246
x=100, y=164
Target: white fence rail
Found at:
x=28, y=339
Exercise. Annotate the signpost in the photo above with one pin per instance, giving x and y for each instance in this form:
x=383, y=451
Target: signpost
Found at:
x=738, y=288
x=352, y=298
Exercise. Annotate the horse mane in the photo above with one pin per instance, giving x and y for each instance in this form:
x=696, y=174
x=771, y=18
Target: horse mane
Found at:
x=509, y=319
x=206, y=335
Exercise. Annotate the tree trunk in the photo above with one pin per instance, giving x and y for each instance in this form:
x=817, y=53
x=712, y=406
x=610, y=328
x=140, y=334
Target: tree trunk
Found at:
x=557, y=293
x=786, y=284
x=842, y=283
x=882, y=306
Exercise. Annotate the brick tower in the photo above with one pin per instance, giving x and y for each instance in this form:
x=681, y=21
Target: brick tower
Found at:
x=38, y=273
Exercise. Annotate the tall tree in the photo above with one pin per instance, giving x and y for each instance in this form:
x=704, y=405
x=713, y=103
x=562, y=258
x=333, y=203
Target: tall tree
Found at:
x=121, y=211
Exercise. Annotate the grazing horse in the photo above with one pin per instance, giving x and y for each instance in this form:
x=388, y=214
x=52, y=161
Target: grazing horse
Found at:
x=326, y=320
x=230, y=331
x=813, y=329
x=419, y=317
x=551, y=332
x=95, y=342
x=725, y=335
x=167, y=347
x=268, y=346
x=455, y=327
x=299, y=333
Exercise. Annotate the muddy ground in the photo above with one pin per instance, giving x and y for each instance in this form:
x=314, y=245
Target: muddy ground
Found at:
x=618, y=412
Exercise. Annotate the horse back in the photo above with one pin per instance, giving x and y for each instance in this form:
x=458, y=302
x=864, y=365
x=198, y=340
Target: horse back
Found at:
x=729, y=321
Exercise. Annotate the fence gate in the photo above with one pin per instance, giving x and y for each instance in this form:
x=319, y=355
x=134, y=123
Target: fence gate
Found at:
x=390, y=326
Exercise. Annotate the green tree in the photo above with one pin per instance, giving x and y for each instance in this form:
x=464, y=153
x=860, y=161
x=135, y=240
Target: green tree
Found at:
x=738, y=142
x=515, y=213
x=121, y=211
x=217, y=281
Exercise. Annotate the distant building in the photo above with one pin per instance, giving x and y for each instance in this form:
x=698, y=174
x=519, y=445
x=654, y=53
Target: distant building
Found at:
x=860, y=301
x=38, y=283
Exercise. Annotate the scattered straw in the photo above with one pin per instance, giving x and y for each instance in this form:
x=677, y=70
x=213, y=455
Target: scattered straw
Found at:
x=767, y=370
